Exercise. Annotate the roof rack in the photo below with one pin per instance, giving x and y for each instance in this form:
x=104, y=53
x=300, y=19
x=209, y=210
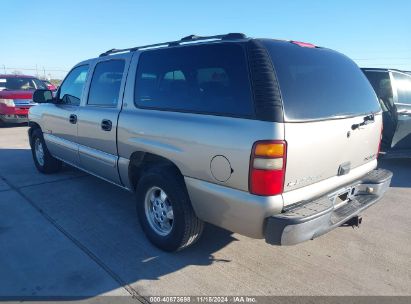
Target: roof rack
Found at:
x=187, y=39
x=385, y=69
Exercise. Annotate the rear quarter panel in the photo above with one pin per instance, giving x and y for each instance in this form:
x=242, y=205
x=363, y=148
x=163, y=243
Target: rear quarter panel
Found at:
x=190, y=141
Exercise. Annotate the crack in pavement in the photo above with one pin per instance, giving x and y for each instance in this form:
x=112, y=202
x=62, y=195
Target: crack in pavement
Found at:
x=6, y=181
x=134, y=293
x=51, y=182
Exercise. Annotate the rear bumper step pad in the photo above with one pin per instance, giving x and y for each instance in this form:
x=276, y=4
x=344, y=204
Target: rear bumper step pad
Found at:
x=309, y=219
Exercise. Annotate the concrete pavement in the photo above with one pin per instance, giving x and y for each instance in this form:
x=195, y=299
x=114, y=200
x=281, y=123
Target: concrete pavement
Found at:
x=73, y=234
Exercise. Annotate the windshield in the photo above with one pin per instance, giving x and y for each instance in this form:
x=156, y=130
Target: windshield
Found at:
x=21, y=83
x=317, y=83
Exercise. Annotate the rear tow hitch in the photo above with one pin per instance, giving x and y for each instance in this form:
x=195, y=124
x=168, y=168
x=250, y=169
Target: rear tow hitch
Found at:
x=354, y=222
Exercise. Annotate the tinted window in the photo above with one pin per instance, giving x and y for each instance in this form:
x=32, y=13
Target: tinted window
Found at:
x=318, y=83
x=20, y=83
x=403, y=86
x=39, y=84
x=380, y=81
x=105, y=84
x=72, y=87
x=209, y=79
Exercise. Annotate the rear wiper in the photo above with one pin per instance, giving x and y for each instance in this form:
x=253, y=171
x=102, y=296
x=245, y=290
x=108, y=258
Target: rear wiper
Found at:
x=367, y=120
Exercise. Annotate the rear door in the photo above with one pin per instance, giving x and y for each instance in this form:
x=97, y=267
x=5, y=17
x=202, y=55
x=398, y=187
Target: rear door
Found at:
x=332, y=118
x=97, y=121
x=402, y=100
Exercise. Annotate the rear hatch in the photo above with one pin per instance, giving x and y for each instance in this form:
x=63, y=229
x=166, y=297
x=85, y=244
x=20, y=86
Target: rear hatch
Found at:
x=332, y=118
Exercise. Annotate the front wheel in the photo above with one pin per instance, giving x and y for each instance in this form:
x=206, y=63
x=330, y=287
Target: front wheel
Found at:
x=164, y=209
x=43, y=160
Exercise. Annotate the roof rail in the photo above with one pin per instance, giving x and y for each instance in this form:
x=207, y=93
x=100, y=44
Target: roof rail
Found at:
x=187, y=39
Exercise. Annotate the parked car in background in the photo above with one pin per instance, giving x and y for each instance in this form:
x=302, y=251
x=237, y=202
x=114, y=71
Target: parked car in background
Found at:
x=259, y=136
x=49, y=85
x=393, y=88
x=16, y=97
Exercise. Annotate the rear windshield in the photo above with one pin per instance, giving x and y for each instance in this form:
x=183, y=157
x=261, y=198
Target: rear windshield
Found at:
x=318, y=83
x=20, y=83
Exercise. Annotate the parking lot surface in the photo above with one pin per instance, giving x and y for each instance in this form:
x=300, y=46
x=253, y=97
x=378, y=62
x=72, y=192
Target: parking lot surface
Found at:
x=71, y=234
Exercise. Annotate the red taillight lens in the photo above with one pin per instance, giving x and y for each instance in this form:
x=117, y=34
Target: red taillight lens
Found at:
x=266, y=182
x=267, y=167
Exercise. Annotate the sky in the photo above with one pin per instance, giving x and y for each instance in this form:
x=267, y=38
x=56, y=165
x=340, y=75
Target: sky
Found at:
x=57, y=34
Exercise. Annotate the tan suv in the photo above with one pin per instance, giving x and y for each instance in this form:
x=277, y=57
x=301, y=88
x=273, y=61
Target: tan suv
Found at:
x=271, y=139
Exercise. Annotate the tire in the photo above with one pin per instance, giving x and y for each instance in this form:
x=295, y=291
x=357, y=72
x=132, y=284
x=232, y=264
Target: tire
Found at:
x=47, y=164
x=185, y=228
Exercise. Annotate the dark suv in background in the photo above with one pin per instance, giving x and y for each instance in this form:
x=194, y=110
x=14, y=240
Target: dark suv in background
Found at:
x=393, y=88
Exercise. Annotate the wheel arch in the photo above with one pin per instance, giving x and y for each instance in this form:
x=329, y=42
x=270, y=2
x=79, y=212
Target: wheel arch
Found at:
x=141, y=161
x=33, y=126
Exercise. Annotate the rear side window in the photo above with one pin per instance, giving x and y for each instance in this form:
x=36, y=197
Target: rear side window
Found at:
x=106, y=82
x=318, y=83
x=210, y=79
x=403, y=87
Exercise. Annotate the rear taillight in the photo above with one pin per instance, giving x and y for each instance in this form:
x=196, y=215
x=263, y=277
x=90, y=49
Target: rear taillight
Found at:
x=267, y=167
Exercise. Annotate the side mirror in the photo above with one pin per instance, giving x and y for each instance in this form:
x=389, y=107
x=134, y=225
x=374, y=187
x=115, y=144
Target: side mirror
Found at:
x=42, y=96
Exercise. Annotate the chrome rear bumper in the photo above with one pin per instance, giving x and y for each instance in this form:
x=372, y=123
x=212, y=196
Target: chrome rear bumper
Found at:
x=309, y=219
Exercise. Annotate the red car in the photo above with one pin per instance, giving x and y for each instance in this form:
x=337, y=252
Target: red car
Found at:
x=50, y=86
x=16, y=97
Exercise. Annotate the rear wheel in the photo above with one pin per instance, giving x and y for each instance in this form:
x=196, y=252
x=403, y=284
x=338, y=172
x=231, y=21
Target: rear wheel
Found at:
x=165, y=210
x=43, y=160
